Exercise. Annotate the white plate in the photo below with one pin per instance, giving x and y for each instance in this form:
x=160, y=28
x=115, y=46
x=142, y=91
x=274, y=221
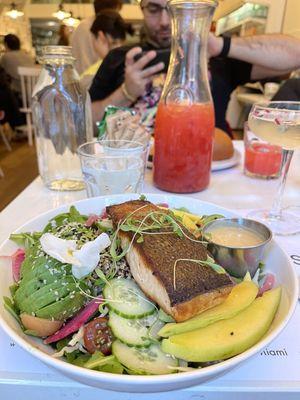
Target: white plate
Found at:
x=277, y=262
x=225, y=164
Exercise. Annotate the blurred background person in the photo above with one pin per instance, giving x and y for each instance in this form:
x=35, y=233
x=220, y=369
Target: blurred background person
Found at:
x=82, y=40
x=64, y=35
x=289, y=91
x=13, y=58
x=109, y=31
x=9, y=103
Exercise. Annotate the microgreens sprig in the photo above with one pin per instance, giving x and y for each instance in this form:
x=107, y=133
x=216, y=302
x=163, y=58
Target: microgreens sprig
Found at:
x=157, y=221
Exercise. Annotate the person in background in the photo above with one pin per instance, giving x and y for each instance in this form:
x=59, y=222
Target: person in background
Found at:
x=289, y=91
x=13, y=58
x=109, y=31
x=124, y=81
x=9, y=103
x=64, y=35
x=82, y=41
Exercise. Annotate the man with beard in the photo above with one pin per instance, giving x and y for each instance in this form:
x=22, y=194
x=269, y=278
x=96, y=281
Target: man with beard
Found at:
x=128, y=78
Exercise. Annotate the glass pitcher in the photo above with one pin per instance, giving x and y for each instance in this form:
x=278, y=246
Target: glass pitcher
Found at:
x=62, y=117
x=184, y=126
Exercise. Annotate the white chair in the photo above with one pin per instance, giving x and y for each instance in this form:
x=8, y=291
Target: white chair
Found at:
x=29, y=77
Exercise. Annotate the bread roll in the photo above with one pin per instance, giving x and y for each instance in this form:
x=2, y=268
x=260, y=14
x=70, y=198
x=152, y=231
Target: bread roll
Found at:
x=223, y=147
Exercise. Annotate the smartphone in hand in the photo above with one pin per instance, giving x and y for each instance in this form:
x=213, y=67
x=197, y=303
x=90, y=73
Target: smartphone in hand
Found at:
x=162, y=55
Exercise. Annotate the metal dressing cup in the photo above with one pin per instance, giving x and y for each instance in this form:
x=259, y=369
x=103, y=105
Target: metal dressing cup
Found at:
x=238, y=260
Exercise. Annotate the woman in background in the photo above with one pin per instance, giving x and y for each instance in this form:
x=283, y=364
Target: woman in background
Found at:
x=109, y=31
x=64, y=35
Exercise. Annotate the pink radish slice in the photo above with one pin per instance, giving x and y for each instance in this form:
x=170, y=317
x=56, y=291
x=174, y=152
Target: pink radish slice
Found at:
x=92, y=219
x=16, y=261
x=104, y=214
x=267, y=285
x=165, y=205
x=76, y=322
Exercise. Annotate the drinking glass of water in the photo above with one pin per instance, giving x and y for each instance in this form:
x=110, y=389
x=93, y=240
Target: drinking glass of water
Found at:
x=113, y=166
x=278, y=123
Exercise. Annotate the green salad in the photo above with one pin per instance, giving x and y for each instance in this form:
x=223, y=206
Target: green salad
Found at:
x=74, y=289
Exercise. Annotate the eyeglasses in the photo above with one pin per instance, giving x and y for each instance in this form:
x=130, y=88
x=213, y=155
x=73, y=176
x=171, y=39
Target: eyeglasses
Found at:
x=154, y=10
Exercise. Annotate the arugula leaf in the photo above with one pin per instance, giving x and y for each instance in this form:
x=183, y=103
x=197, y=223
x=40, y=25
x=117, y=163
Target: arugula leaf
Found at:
x=80, y=360
x=13, y=288
x=104, y=363
x=62, y=343
x=73, y=356
x=75, y=215
x=12, y=309
x=25, y=240
x=62, y=219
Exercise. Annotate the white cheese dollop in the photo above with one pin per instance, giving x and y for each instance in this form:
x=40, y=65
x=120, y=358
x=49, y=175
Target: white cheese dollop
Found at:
x=83, y=260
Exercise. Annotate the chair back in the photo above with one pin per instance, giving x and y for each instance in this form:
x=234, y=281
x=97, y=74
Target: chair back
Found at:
x=29, y=77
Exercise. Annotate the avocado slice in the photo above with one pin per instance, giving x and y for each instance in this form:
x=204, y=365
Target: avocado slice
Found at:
x=240, y=297
x=48, y=295
x=64, y=308
x=50, y=275
x=42, y=266
x=47, y=288
x=229, y=337
x=33, y=256
x=27, y=287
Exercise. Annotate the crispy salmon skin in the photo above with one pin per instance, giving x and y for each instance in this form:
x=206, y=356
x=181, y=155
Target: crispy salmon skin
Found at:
x=152, y=262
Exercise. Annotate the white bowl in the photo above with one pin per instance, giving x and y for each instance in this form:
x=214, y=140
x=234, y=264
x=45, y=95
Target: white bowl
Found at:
x=276, y=260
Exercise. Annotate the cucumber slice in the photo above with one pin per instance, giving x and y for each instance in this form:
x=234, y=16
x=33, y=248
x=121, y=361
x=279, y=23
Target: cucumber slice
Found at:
x=125, y=298
x=134, y=332
x=144, y=360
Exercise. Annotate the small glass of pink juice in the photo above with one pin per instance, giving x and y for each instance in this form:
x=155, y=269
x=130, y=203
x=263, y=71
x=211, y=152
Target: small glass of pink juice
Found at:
x=262, y=160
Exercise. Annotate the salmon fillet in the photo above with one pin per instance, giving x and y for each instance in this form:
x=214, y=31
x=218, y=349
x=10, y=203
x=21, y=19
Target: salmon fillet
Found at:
x=152, y=262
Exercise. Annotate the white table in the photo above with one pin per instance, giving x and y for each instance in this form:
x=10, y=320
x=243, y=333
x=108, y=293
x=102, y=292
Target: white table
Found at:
x=273, y=374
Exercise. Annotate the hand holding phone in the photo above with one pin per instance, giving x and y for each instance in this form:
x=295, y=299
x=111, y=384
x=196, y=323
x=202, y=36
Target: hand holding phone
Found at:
x=141, y=67
x=162, y=55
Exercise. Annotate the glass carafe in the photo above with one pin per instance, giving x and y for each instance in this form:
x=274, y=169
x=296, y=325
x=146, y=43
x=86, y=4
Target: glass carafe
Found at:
x=184, y=126
x=62, y=118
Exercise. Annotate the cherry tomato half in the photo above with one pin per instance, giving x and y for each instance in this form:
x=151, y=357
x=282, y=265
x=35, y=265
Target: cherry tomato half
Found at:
x=98, y=336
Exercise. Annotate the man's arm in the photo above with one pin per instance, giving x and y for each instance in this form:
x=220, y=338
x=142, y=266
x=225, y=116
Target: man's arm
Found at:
x=273, y=53
x=258, y=72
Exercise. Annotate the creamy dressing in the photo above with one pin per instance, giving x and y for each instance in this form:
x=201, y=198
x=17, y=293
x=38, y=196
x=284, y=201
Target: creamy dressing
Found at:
x=235, y=236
